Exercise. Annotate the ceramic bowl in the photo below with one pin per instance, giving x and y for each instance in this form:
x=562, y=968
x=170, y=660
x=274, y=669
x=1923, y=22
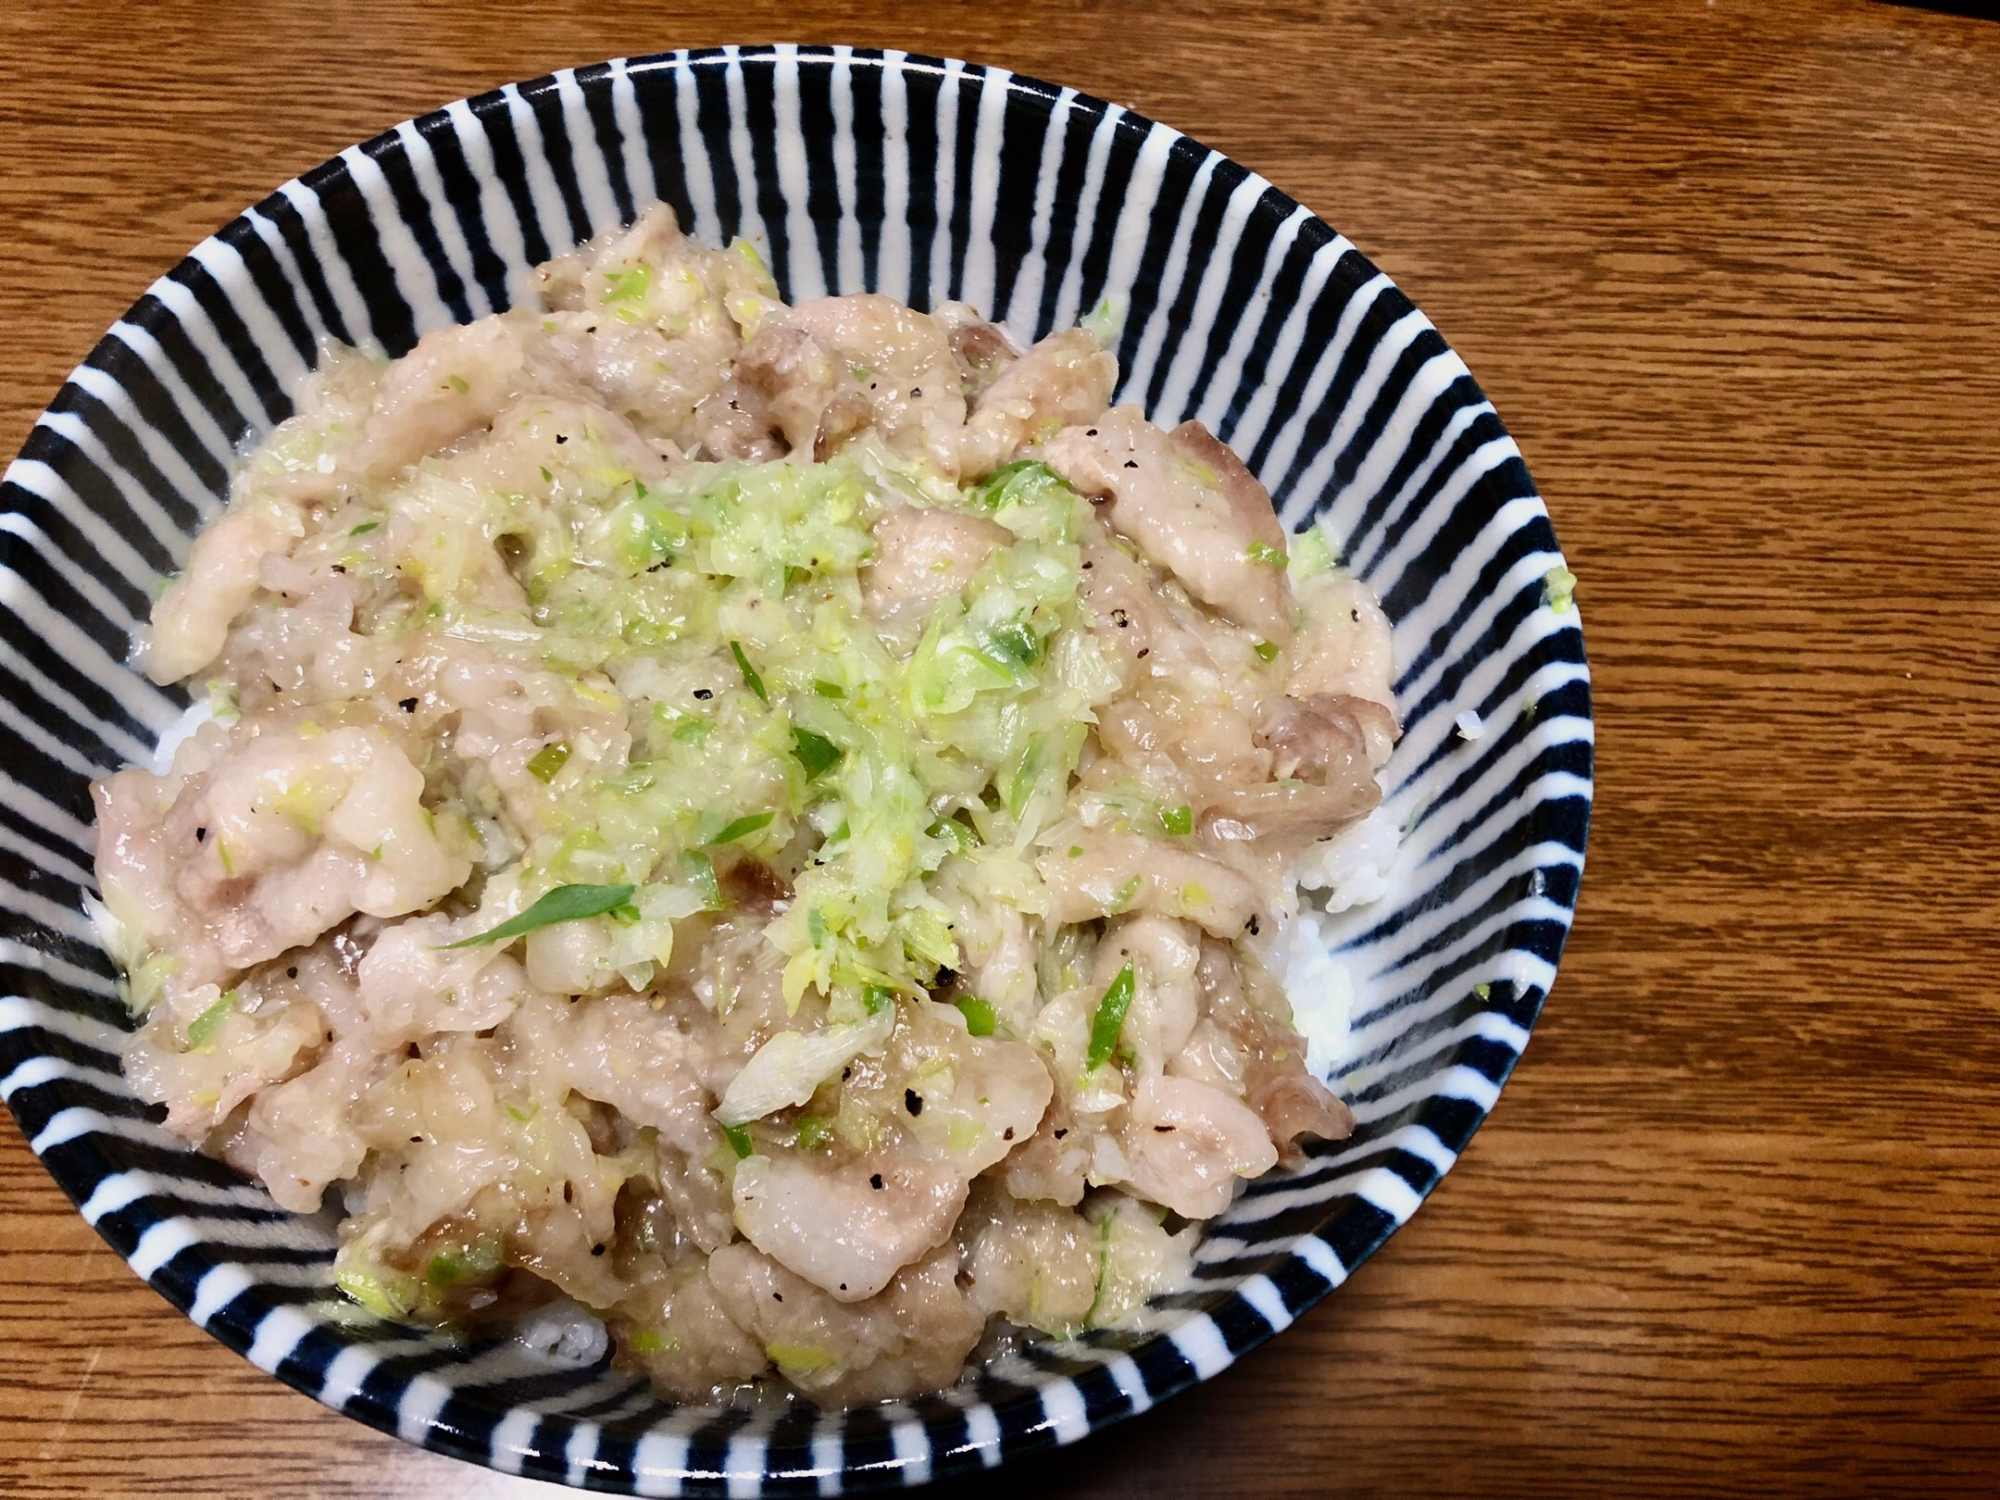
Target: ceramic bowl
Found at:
x=851, y=170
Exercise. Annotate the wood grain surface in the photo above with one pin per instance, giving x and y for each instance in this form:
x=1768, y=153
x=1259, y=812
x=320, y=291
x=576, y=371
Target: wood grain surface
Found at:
x=1731, y=273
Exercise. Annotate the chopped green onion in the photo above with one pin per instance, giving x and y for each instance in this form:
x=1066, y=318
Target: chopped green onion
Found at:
x=1110, y=1019
x=364, y=528
x=951, y=831
x=1014, y=647
x=801, y=1359
x=1266, y=650
x=979, y=1014
x=548, y=760
x=458, y=383
x=988, y=491
x=387, y=1296
x=1123, y=897
x=829, y=690
x=815, y=751
x=203, y=1028
x=649, y=1341
x=742, y=828
x=739, y=1140
x=750, y=677
x=875, y=996
x=628, y=286
x=813, y=1133
x=700, y=871
x=547, y=477
x=1559, y=589
x=1265, y=553
x=478, y=1260
x=566, y=903
x=1313, y=552
x=1178, y=820
x=1104, y=322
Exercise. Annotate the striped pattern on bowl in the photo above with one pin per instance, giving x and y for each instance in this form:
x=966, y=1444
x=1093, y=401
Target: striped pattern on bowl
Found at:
x=852, y=170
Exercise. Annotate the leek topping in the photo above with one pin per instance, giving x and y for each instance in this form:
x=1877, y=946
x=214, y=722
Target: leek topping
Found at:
x=1109, y=1020
x=566, y=903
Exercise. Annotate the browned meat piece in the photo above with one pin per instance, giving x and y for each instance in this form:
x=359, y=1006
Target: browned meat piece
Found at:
x=1326, y=739
x=1063, y=381
x=1248, y=500
x=796, y=375
x=922, y=557
x=847, y=415
x=1133, y=625
x=1196, y=521
x=1118, y=872
x=984, y=351
x=1291, y=1101
x=1289, y=814
x=736, y=423
x=899, y=365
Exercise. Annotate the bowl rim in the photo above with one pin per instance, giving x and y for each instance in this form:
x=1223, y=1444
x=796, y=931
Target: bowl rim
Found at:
x=1247, y=1314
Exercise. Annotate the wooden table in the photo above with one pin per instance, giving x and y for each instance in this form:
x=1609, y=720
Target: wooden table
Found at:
x=1731, y=272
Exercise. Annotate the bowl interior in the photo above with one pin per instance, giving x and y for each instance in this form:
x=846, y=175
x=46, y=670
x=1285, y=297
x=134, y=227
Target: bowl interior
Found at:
x=926, y=179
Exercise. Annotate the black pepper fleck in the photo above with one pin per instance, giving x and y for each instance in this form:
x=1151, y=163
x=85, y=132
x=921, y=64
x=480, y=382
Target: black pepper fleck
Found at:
x=704, y=694
x=562, y=437
x=596, y=1249
x=408, y=705
x=876, y=1182
x=1131, y=463
x=1252, y=924
x=201, y=835
x=913, y=1102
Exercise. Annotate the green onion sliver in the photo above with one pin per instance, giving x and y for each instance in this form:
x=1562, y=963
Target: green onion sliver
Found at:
x=566, y=903
x=742, y=828
x=1110, y=1019
x=750, y=678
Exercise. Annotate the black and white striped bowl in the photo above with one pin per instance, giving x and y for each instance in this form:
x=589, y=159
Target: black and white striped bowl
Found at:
x=925, y=179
